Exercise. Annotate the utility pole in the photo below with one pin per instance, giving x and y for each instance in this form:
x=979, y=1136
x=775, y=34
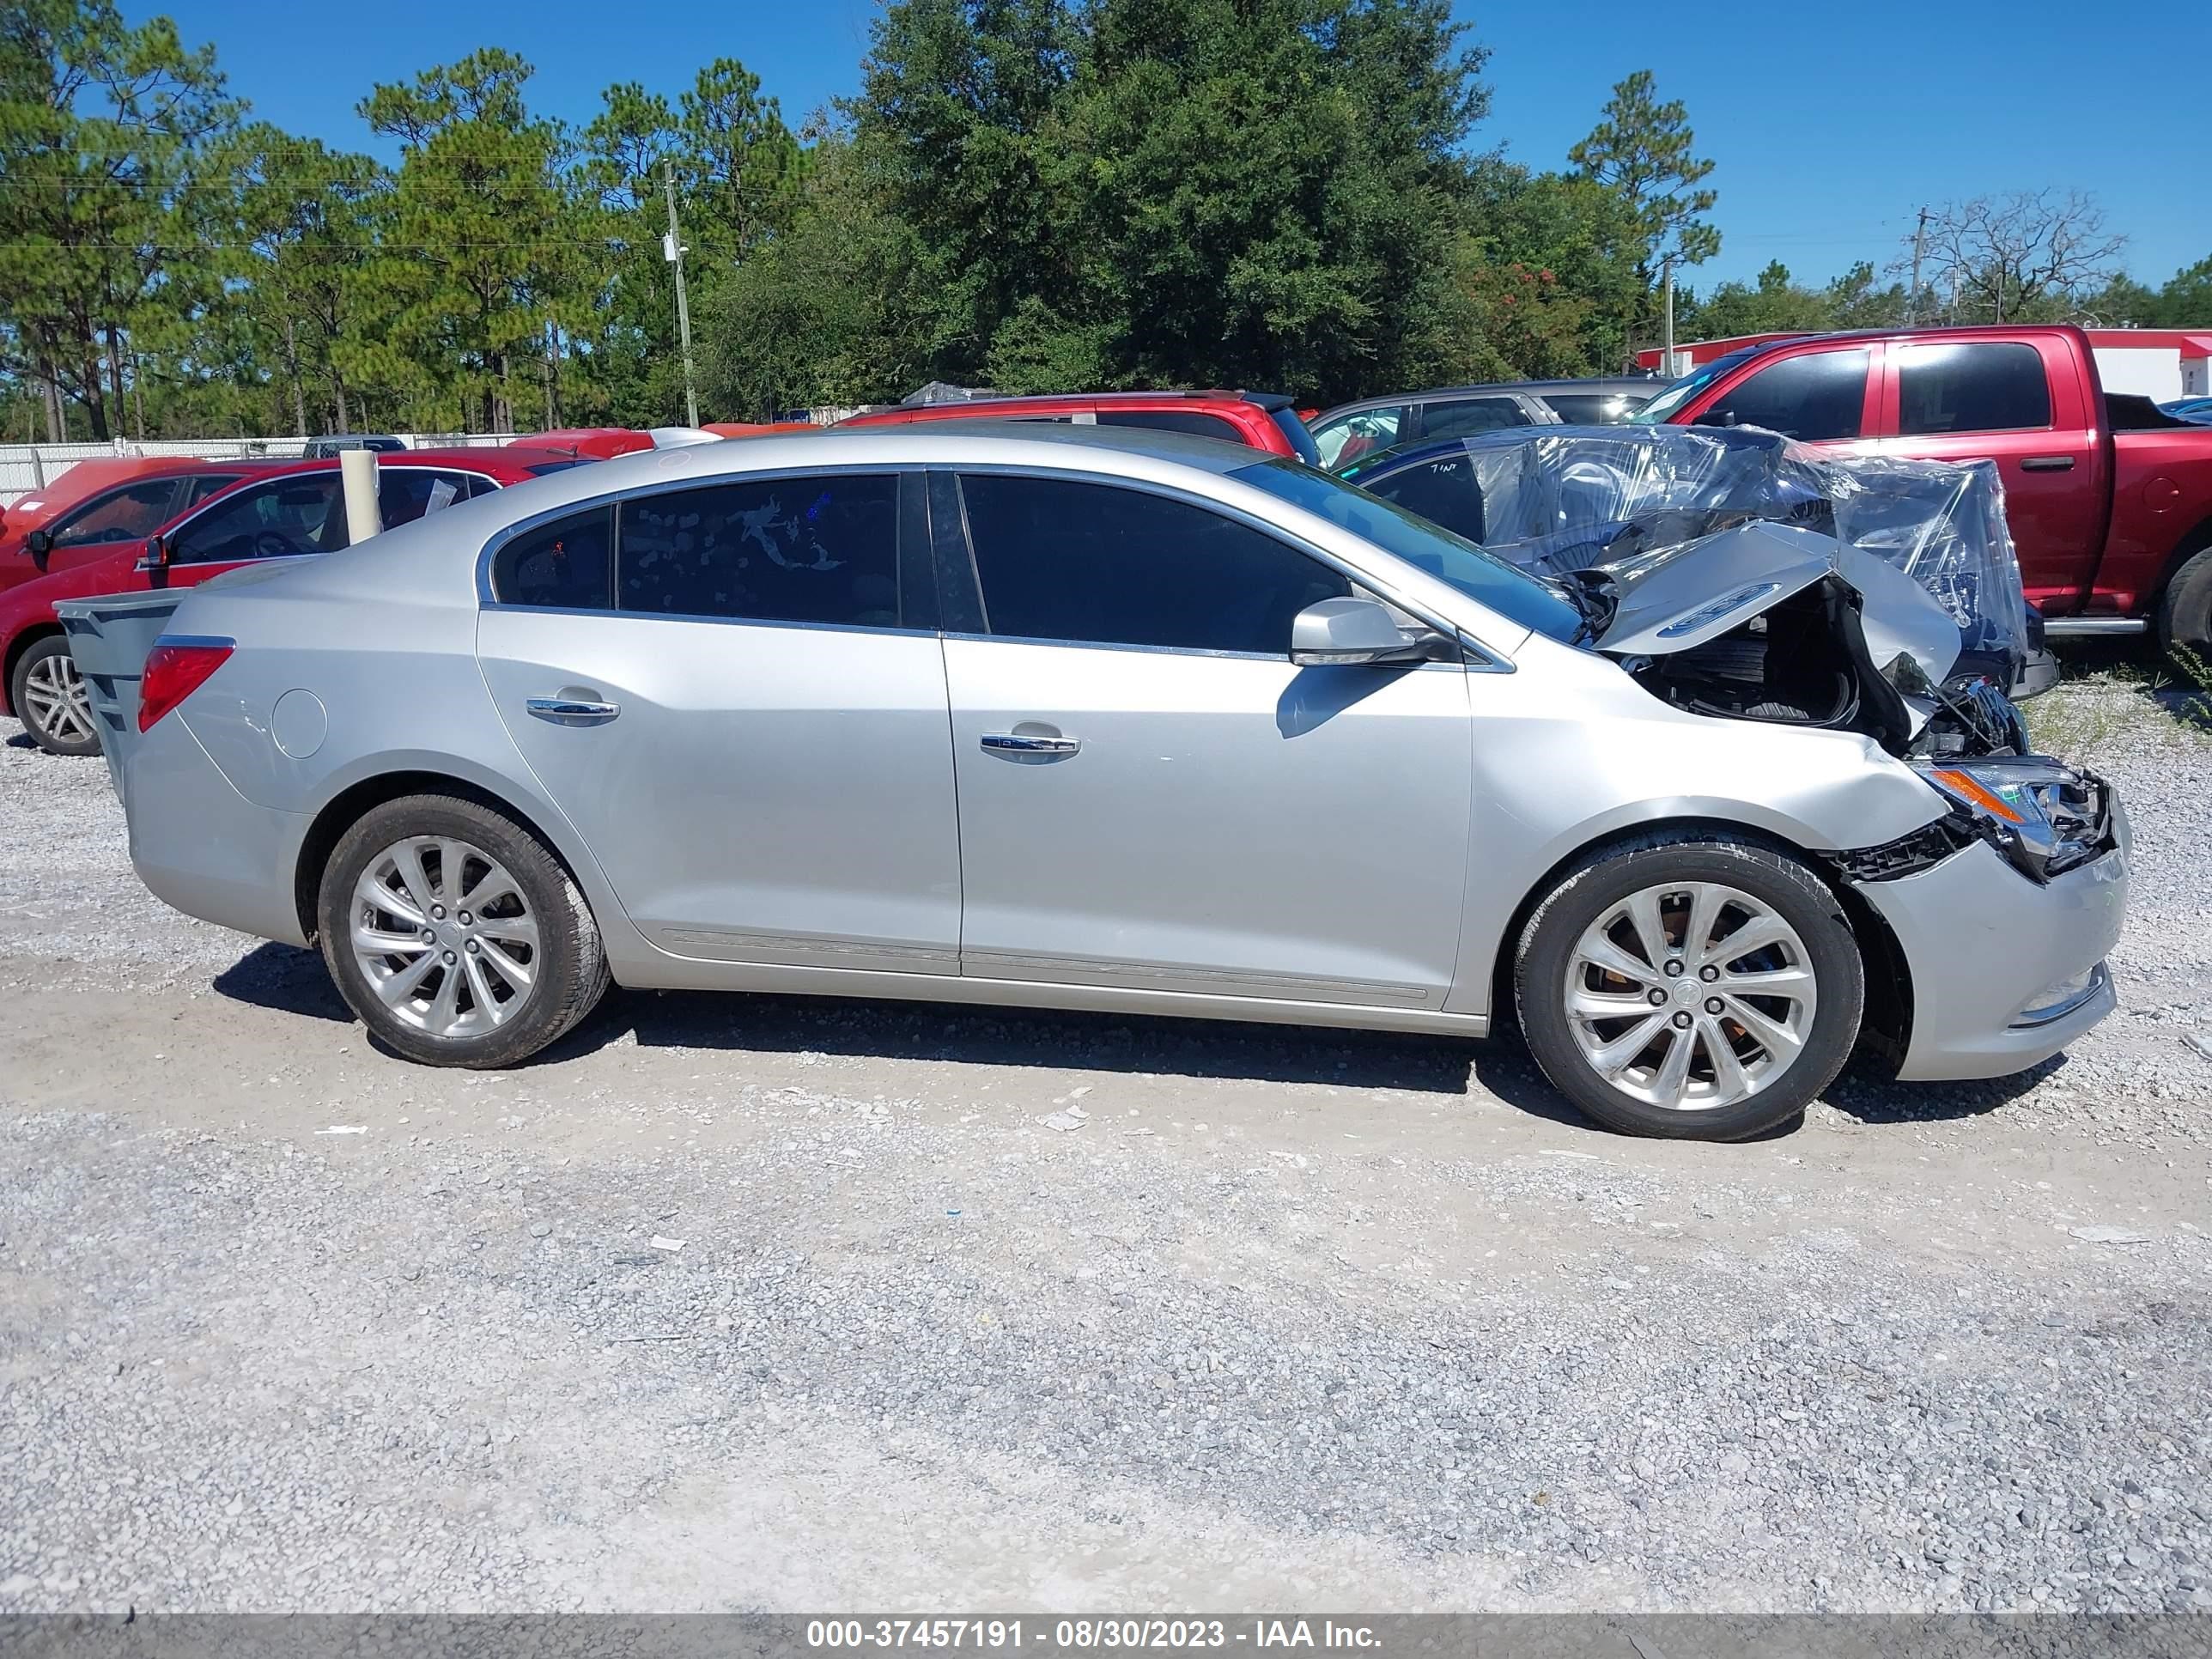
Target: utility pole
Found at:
x=1912, y=297
x=1667, y=287
x=672, y=248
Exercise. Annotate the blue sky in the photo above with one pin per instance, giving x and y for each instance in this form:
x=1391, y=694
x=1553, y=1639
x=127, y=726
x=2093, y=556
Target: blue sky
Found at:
x=1828, y=132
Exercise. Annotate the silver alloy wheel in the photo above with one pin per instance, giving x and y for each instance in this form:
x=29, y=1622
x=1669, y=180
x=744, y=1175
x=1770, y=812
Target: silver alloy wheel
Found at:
x=1691, y=996
x=55, y=699
x=445, y=937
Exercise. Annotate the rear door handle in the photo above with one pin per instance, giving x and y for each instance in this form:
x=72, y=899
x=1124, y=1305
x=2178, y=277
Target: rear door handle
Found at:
x=569, y=711
x=2047, y=463
x=1022, y=742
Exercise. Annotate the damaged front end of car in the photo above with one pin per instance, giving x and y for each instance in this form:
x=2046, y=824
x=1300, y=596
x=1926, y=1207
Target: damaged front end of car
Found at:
x=1780, y=624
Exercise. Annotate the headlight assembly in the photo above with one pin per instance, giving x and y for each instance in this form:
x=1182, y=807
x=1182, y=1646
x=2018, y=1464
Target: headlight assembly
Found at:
x=2044, y=817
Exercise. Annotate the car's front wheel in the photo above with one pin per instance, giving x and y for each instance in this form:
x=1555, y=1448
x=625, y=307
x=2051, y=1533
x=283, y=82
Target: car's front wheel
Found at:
x=456, y=935
x=1699, y=989
x=48, y=695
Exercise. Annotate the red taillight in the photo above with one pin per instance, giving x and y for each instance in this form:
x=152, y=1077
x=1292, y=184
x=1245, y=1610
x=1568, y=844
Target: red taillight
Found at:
x=174, y=669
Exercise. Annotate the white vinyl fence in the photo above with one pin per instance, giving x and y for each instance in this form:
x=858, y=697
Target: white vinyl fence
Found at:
x=25, y=468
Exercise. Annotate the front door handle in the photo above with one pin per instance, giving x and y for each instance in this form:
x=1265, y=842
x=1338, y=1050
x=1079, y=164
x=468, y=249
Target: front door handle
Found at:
x=2047, y=463
x=569, y=711
x=1025, y=743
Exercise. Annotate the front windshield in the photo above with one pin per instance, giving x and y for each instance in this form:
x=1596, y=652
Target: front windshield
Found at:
x=1482, y=576
x=1656, y=412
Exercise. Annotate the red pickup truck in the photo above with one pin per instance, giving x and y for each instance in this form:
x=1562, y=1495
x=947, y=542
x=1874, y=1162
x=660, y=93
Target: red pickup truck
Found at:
x=2109, y=500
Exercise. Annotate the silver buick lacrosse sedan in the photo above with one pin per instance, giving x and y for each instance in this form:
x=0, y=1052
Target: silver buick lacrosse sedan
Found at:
x=1064, y=718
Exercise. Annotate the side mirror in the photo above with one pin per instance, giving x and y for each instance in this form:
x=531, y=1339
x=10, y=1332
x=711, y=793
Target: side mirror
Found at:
x=156, y=555
x=1351, y=633
x=39, y=544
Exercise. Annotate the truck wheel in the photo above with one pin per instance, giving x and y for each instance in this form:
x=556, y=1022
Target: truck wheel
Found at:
x=49, y=696
x=2184, y=610
x=455, y=935
x=1703, y=989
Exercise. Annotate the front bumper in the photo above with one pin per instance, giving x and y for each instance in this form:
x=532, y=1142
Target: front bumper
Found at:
x=1984, y=944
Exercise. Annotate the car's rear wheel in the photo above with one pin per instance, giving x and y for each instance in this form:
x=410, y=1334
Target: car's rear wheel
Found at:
x=1705, y=989
x=456, y=935
x=49, y=696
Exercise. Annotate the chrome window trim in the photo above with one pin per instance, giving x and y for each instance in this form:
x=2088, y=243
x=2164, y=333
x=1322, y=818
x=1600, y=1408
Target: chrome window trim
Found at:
x=1493, y=661
x=721, y=622
x=1280, y=658
x=486, y=600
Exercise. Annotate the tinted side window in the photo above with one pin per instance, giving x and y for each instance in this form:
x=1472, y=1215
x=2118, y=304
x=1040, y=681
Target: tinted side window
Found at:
x=1173, y=420
x=1098, y=564
x=1463, y=415
x=128, y=515
x=1992, y=387
x=1443, y=491
x=565, y=565
x=1819, y=396
x=277, y=520
x=819, y=550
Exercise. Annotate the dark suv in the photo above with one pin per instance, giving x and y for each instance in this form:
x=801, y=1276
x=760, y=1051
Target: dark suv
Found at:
x=1345, y=432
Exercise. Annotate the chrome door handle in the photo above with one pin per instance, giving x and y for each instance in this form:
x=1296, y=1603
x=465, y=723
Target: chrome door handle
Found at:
x=568, y=711
x=1021, y=743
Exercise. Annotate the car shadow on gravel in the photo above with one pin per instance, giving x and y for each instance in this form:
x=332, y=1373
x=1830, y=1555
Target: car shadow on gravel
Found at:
x=1864, y=1094
x=1045, y=1038
x=285, y=978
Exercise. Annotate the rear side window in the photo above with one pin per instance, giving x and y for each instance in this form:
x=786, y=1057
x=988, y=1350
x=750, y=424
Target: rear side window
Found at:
x=819, y=550
x=281, y=519
x=565, y=565
x=1346, y=439
x=1101, y=565
x=1464, y=416
x=406, y=493
x=1593, y=408
x=1173, y=420
x=200, y=489
x=1992, y=386
x=1818, y=397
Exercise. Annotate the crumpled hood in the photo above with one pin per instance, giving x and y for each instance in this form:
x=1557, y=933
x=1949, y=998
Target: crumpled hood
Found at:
x=1685, y=596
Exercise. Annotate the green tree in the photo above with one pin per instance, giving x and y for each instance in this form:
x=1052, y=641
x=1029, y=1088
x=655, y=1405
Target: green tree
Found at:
x=842, y=308
x=101, y=129
x=487, y=256
x=1644, y=151
x=736, y=169
x=1542, y=280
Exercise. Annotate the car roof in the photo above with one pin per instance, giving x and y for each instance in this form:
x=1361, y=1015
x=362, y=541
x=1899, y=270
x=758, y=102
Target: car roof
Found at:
x=953, y=410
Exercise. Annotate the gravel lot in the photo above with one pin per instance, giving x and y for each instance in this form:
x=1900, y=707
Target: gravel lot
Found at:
x=758, y=1303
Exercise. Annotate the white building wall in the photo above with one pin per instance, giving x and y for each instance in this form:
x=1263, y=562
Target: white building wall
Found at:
x=2154, y=373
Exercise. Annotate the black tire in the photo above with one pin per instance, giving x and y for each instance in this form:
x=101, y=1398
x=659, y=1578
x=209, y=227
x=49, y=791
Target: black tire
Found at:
x=2184, y=609
x=1545, y=948
x=569, y=965
x=44, y=651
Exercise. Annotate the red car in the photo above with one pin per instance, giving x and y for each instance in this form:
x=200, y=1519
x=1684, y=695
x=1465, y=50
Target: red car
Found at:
x=282, y=511
x=2109, y=500
x=1260, y=420
x=85, y=512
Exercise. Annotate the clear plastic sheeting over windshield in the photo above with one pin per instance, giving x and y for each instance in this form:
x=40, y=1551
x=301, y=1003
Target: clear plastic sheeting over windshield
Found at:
x=1623, y=499
x=1487, y=580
